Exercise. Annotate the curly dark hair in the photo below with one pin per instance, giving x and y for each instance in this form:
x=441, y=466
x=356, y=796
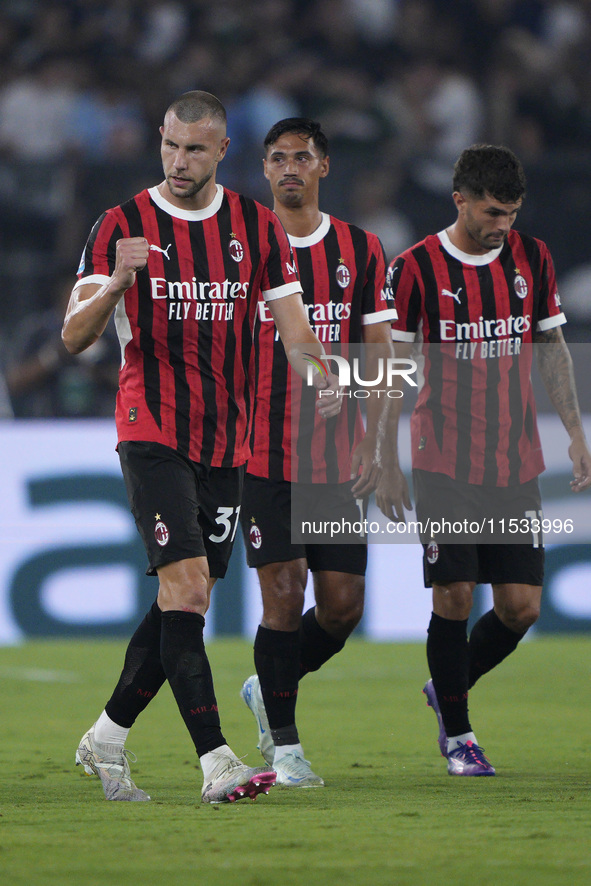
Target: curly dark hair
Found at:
x=310, y=129
x=490, y=169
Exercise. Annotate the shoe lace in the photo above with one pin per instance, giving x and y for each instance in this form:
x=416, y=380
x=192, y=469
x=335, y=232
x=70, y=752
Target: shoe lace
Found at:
x=294, y=763
x=226, y=765
x=128, y=757
x=472, y=752
x=121, y=760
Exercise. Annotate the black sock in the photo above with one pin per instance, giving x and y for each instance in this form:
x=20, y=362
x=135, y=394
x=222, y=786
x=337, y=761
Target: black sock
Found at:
x=317, y=646
x=276, y=658
x=142, y=674
x=187, y=669
x=490, y=642
x=447, y=655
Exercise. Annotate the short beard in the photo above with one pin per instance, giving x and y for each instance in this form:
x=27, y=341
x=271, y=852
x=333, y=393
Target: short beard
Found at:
x=291, y=198
x=479, y=240
x=187, y=193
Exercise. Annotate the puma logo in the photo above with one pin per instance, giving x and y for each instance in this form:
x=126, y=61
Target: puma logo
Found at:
x=454, y=295
x=155, y=248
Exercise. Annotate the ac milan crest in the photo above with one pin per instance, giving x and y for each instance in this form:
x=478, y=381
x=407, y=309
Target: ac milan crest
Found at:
x=161, y=533
x=256, y=538
x=236, y=249
x=520, y=286
x=343, y=274
x=432, y=552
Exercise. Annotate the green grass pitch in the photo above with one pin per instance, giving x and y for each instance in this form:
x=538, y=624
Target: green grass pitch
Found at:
x=389, y=813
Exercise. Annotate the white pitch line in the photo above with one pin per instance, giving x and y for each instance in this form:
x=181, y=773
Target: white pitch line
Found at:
x=38, y=675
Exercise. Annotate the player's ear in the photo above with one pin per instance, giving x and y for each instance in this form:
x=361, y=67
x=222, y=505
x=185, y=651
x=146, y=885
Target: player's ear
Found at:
x=265, y=173
x=459, y=199
x=223, y=148
x=324, y=167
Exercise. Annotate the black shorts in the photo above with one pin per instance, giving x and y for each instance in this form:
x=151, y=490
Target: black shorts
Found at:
x=266, y=519
x=513, y=557
x=483, y=564
x=182, y=509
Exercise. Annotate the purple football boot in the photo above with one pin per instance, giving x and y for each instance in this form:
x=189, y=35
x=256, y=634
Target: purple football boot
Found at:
x=468, y=759
x=432, y=702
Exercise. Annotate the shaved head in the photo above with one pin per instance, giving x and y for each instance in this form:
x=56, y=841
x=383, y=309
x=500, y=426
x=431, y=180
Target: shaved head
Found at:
x=196, y=105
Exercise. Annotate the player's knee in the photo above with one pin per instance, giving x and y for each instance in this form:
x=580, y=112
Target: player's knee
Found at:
x=285, y=595
x=340, y=616
x=453, y=601
x=283, y=613
x=185, y=586
x=349, y=618
x=521, y=619
x=186, y=599
x=341, y=623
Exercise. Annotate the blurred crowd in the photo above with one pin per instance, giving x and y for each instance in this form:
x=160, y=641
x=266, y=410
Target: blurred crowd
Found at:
x=400, y=87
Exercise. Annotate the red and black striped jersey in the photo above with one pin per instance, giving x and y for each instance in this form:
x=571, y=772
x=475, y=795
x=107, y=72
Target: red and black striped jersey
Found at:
x=475, y=317
x=186, y=326
x=342, y=270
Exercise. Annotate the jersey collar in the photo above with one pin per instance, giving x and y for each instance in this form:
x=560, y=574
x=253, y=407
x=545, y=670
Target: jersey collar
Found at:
x=188, y=214
x=318, y=235
x=465, y=257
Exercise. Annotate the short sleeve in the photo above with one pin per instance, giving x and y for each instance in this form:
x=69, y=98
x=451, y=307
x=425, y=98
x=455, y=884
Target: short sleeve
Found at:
x=377, y=307
x=97, y=262
x=280, y=274
x=550, y=312
x=403, y=289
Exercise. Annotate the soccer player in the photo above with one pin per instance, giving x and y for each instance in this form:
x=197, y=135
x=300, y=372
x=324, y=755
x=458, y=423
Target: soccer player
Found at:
x=342, y=269
x=183, y=265
x=477, y=296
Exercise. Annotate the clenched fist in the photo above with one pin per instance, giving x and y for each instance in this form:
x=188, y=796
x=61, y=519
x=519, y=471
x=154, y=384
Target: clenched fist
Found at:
x=131, y=256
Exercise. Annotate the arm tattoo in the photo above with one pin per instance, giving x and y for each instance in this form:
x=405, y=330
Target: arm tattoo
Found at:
x=556, y=369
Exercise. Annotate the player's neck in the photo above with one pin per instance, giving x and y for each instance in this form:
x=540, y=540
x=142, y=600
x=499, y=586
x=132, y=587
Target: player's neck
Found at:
x=300, y=221
x=460, y=238
x=201, y=200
